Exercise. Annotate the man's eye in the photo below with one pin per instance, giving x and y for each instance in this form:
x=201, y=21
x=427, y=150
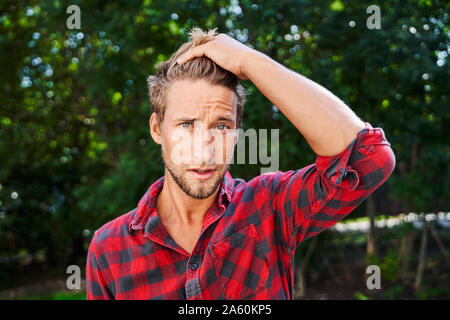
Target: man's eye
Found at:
x=185, y=124
x=222, y=127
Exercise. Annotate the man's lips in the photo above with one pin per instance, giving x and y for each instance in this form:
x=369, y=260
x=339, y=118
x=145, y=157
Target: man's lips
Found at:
x=202, y=174
x=202, y=169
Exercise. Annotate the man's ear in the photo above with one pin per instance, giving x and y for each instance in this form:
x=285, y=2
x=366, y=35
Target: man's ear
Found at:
x=155, y=130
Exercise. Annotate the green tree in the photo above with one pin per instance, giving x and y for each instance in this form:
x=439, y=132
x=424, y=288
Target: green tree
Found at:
x=74, y=140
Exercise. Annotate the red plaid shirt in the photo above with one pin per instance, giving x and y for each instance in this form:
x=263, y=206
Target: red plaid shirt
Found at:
x=249, y=236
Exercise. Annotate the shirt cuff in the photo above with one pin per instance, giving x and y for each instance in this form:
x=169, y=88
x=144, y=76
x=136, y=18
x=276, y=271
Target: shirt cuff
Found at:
x=337, y=168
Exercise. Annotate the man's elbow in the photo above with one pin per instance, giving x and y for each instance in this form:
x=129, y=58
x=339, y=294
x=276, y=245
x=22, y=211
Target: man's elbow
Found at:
x=385, y=159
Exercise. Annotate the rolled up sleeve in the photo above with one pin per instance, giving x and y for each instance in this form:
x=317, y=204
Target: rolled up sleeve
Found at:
x=314, y=198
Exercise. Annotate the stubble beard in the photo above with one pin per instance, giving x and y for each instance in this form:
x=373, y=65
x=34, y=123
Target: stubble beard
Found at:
x=197, y=189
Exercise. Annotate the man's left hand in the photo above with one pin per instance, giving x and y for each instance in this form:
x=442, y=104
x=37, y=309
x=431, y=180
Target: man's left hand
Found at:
x=227, y=52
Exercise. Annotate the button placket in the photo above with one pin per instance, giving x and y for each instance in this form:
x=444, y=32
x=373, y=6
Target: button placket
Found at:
x=192, y=286
x=192, y=278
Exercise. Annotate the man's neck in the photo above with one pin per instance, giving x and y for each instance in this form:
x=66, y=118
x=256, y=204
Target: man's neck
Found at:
x=175, y=206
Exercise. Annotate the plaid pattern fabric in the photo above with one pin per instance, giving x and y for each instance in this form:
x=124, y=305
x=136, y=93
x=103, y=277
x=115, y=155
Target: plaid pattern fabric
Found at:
x=249, y=236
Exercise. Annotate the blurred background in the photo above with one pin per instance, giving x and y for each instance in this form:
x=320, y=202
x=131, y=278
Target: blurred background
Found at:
x=76, y=152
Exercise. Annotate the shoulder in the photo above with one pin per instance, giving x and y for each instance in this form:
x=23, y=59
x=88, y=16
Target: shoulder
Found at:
x=266, y=179
x=262, y=183
x=113, y=231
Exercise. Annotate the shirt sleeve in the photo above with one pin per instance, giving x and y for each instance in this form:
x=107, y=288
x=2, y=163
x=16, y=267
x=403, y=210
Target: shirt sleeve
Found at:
x=314, y=198
x=96, y=282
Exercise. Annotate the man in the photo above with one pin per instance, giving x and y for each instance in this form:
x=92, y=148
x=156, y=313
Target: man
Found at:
x=197, y=233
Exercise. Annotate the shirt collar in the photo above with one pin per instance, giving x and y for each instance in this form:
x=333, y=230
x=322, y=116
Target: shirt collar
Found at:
x=147, y=204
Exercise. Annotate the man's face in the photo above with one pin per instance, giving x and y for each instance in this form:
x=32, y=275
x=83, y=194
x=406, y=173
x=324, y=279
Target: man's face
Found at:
x=197, y=135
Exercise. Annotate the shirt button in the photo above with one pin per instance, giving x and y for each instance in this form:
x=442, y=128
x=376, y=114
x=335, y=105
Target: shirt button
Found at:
x=194, y=266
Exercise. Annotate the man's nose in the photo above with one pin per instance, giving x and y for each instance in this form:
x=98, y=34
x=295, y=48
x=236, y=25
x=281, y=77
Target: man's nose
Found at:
x=203, y=145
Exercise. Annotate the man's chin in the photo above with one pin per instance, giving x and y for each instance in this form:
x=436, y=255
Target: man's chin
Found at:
x=200, y=191
x=202, y=188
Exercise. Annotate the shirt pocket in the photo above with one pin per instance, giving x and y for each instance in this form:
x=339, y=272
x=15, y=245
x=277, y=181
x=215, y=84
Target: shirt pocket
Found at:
x=240, y=265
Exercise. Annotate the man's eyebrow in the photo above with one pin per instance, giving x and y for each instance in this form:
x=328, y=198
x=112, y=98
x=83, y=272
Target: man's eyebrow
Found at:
x=186, y=119
x=222, y=118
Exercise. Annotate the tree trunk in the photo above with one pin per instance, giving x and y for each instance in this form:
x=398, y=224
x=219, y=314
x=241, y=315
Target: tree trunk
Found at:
x=406, y=245
x=300, y=288
x=371, y=240
x=371, y=250
x=439, y=243
x=422, y=256
x=414, y=155
x=311, y=248
x=405, y=207
x=404, y=170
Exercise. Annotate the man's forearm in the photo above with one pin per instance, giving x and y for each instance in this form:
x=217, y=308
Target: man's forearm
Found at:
x=326, y=122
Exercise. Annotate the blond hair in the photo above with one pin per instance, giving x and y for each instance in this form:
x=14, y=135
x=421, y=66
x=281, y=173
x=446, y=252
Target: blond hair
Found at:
x=196, y=68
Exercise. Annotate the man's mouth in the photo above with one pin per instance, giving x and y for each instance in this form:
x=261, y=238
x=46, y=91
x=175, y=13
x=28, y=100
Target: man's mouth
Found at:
x=202, y=174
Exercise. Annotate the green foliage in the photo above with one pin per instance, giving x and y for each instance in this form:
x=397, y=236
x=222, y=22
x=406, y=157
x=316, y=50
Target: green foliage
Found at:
x=360, y=296
x=372, y=259
x=58, y=295
x=433, y=293
x=392, y=293
x=390, y=265
x=74, y=140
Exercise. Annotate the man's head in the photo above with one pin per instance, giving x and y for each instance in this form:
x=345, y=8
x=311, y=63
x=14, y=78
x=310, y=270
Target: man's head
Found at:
x=197, y=107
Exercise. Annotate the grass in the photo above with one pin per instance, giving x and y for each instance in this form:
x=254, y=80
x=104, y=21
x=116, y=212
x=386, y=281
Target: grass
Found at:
x=57, y=295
